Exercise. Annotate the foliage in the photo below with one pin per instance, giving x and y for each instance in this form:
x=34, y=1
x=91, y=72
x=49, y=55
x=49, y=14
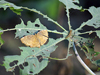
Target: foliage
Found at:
x=1, y=40
x=32, y=56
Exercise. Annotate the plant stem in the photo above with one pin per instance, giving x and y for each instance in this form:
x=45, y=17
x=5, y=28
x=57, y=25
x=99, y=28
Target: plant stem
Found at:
x=87, y=32
x=63, y=33
x=81, y=61
x=56, y=58
x=68, y=19
x=7, y=30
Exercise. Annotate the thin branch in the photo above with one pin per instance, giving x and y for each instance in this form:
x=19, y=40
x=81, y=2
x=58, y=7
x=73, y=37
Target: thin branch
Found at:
x=45, y=16
x=88, y=32
x=7, y=30
x=68, y=19
x=56, y=58
x=81, y=61
x=52, y=31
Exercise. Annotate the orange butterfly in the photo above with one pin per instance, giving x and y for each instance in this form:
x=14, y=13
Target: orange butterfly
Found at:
x=35, y=40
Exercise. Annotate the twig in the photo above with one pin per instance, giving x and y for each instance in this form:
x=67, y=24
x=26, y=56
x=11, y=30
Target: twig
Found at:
x=45, y=16
x=81, y=61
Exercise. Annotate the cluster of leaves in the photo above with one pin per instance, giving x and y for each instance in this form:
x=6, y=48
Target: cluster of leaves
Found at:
x=32, y=56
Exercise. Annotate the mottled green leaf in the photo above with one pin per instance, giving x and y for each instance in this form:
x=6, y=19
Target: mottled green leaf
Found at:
x=17, y=11
x=30, y=29
x=34, y=65
x=29, y=55
x=88, y=49
x=95, y=20
x=80, y=40
x=1, y=40
x=4, y=4
x=13, y=7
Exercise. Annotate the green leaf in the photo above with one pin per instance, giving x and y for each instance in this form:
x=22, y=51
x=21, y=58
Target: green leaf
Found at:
x=5, y=5
x=1, y=40
x=86, y=44
x=30, y=29
x=34, y=65
x=88, y=49
x=80, y=40
x=95, y=20
x=17, y=11
x=29, y=55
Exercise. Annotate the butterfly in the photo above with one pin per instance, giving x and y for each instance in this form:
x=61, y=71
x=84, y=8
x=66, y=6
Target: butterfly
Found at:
x=36, y=40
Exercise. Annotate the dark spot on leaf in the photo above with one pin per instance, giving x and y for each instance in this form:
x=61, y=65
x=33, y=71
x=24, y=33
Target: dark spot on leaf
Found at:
x=81, y=39
x=16, y=61
x=31, y=72
x=11, y=64
x=40, y=58
x=71, y=44
x=79, y=42
x=27, y=31
x=21, y=66
x=33, y=50
x=46, y=50
x=94, y=24
x=36, y=25
x=43, y=53
x=25, y=63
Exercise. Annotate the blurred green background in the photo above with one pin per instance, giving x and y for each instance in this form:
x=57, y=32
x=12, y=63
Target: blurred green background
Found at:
x=55, y=10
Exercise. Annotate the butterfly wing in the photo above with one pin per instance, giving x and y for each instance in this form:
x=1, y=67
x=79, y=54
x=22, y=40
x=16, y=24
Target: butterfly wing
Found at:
x=42, y=36
x=30, y=40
